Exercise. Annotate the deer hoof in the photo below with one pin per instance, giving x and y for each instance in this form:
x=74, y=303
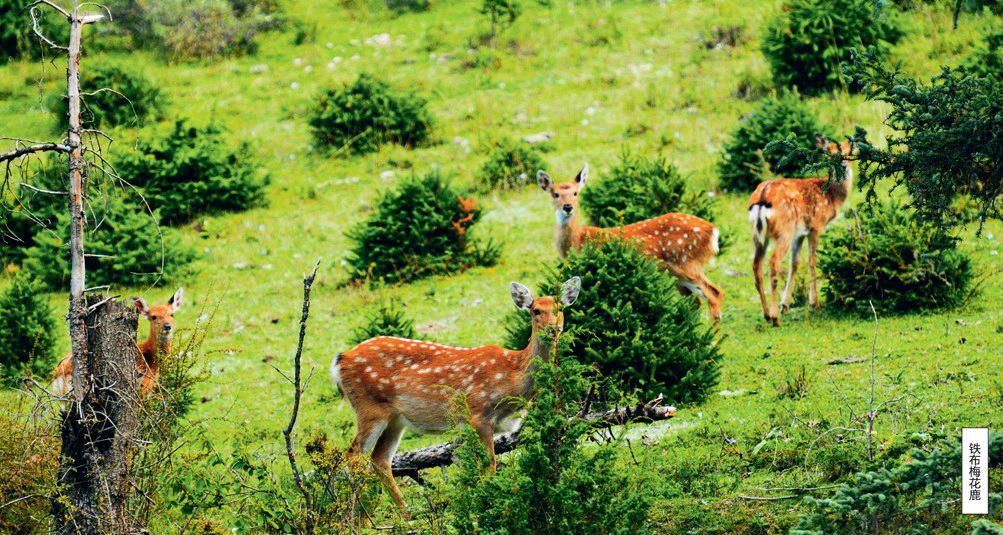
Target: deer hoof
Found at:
x=775, y=320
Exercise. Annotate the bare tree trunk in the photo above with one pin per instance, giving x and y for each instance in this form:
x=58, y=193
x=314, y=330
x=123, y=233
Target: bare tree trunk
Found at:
x=98, y=432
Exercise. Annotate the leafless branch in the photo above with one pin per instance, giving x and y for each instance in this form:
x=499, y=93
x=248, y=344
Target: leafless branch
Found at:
x=31, y=149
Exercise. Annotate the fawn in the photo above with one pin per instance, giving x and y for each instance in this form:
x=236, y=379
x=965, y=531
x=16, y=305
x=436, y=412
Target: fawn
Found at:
x=787, y=210
x=393, y=383
x=149, y=351
x=681, y=243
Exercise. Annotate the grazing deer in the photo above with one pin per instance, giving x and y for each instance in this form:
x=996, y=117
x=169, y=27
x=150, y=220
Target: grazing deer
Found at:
x=393, y=383
x=681, y=243
x=149, y=352
x=787, y=210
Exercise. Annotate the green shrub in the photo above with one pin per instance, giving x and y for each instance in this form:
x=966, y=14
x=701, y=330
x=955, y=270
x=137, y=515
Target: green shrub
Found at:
x=32, y=211
x=776, y=117
x=420, y=228
x=127, y=245
x=131, y=99
x=197, y=29
x=501, y=12
x=510, y=164
x=986, y=60
x=807, y=43
x=900, y=263
x=919, y=492
x=17, y=40
x=636, y=330
x=640, y=188
x=192, y=171
x=402, y=6
x=27, y=329
x=360, y=117
x=389, y=319
x=554, y=484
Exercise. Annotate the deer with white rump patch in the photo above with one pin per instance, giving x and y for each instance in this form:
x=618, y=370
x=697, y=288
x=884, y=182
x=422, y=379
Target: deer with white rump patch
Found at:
x=682, y=244
x=150, y=352
x=787, y=210
x=396, y=383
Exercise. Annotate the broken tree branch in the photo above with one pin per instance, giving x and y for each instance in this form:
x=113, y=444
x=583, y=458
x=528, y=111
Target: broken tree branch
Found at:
x=409, y=463
x=30, y=149
x=288, y=432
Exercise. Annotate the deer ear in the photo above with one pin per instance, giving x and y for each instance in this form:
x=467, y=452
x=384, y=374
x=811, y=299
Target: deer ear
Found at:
x=175, y=300
x=521, y=295
x=583, y=175
x=821, y=141
x=544, y=180
x=140, y=305
x=570, y=291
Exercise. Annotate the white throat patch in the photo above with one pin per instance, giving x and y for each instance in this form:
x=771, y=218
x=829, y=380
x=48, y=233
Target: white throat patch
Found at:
x=562, y=217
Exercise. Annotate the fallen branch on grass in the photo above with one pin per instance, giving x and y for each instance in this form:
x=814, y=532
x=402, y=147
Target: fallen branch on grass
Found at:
x=409, y=463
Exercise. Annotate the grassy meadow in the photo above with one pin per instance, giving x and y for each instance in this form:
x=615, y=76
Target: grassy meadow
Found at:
x=601, y=78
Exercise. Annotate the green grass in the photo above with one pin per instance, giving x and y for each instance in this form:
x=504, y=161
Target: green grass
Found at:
x=655, y=78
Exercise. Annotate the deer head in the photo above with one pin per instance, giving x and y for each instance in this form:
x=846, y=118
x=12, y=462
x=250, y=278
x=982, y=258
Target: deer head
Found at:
x=565, y=194
x=161, y=316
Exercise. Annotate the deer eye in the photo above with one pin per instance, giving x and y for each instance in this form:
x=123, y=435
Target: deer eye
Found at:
x=536, y=312
x=555, y=195
x=576, y=194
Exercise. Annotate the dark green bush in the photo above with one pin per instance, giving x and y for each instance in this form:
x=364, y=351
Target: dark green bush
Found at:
x=133, y=98
x=501, y=12
x=192, y=171
x=360, y=117
x=640, y=188
x=32, y=211
x=128, y=246
x=27, y=328
x=776, y=117
x=807, y=43
x=889, y=257
x=919, y=492
x=420, y=228
x=402, y=6
x=986, y=60
x=17, y=40
x=554, y=484
x=511, y=164
x=198, y=29
x=389, y=319
x=635, y=329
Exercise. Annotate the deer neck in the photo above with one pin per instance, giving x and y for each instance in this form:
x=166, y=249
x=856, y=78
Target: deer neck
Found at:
x=153, y=348
x=569, y=233
x=840, y=190
x=526, y=362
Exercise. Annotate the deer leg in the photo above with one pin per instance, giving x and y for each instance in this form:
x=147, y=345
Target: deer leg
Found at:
x=779, y=252
x=813, y=288
x=383, y=455
x=486, y=432
x=714, y=296
x=785, y=304
x=757, y=272
x=688, y=288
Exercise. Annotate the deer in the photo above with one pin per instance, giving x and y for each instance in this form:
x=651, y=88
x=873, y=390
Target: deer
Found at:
x=149, y=352
x=682, y=244
x=786, y=210
x=396, y=383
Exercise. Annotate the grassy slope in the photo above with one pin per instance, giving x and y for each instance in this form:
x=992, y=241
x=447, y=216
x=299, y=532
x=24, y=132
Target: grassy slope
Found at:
x=656, y=75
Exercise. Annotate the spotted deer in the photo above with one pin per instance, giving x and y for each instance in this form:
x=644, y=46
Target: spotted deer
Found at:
x=787, y=210
x=682, y=244
x=149, y=352
x=396, y=383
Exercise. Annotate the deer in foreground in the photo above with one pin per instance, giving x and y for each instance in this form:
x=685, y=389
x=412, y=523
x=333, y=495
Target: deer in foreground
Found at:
x=681, y=243
x=149, y=352
x=787, y=210
x=394, y=383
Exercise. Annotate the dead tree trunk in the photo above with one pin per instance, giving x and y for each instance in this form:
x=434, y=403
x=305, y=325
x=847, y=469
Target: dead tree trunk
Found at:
x=98, y=431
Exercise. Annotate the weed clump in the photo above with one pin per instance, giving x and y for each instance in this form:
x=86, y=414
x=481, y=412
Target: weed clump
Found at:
x=389, y=319
x=361, y=116
x=639, y=188
x=27, y=329
x=554, y=481
x=891, y=258
x=420, y=228
x=635, y=330
x=192, y=171
x=807, y=43
x=743, y=163
x=511, y=164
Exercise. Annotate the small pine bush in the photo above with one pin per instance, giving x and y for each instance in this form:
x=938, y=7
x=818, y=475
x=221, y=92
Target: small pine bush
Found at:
x=418, y=229
x=405, y=6
x=17, y=40
x=134, y=98
x=27, y=328
x=192, y=171
x=919, y=492
x=361, y=116
x=389, y=319
x=810, y=39
x=198, y=29
x=554, y=484
x=501, y=12
x=635, y=329
x=776, y=117
x=129, y=247
x=510, y=165
x=32, y=212
x=640, y=188
x=986, y=60
x=889, y=257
